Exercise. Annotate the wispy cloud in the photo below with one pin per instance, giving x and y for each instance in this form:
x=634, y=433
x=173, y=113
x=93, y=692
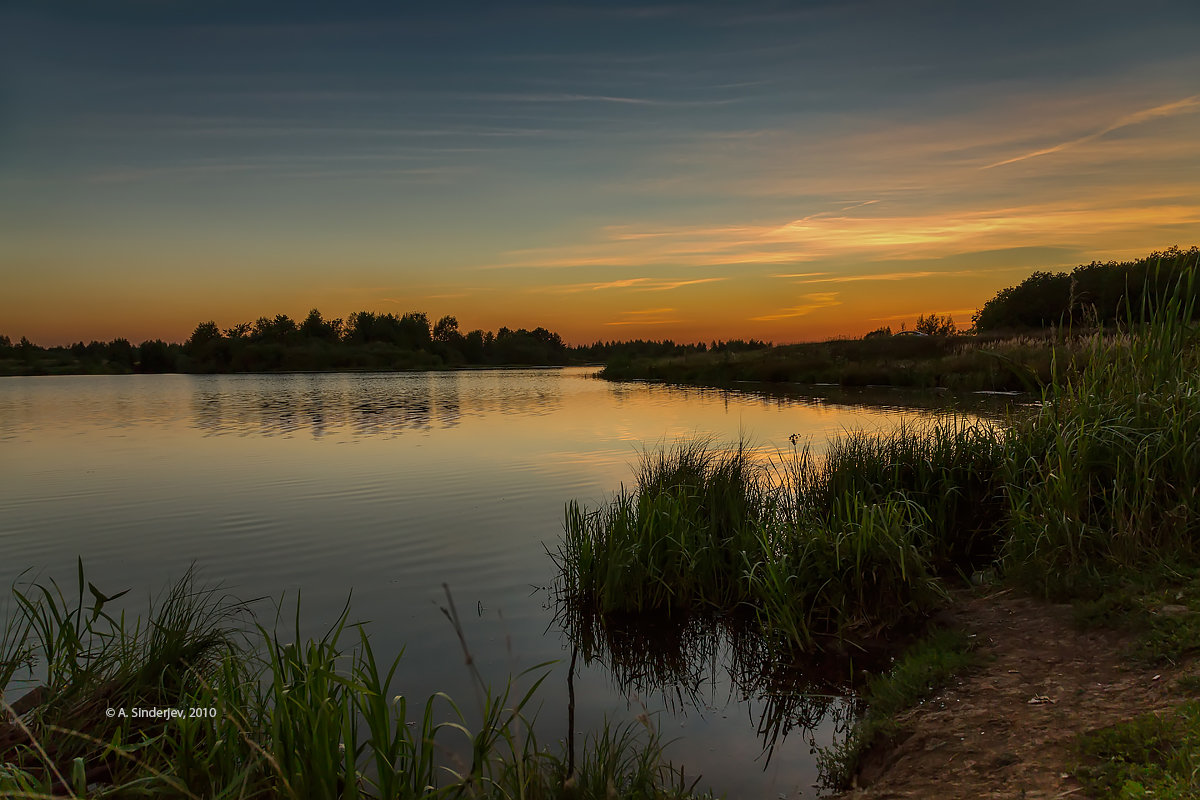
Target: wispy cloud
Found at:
x=664, y=286
x=934, y=233
x=571, y=97
x=893, y=276
x=563, y=97
x=944, y=232
x=645, y=316
x=812, y=302
x=633, y=284
x=1187, y=105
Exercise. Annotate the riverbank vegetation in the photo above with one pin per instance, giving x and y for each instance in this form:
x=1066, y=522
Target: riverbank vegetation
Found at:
x=815, y=547
x=1088, y=483
x=1030, y=335
x=1027, y=335
x=1149, y=756
x=262, y=713
x=918, y=672
x=834, y=549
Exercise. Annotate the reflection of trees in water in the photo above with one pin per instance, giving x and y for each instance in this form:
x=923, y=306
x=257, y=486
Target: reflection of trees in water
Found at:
x=783, y=396
x=680, y=661
x=366, y=405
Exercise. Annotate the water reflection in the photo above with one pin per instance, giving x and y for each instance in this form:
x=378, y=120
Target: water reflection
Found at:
x=993, y=405
x=389, y=485
x=367, y=405
x=686, y=664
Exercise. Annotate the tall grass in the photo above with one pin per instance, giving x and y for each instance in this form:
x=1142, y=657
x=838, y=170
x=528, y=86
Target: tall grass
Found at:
x=280, y=717
x=944, y=473
x=808, y=546
x=1104, y=477
x=674, y=542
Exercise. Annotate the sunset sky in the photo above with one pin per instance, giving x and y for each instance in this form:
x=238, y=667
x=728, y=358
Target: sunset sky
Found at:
x=787, y=171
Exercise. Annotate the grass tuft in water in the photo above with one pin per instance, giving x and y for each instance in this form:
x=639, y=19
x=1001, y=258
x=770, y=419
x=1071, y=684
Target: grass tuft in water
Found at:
x=841, y=545
x=279, y=717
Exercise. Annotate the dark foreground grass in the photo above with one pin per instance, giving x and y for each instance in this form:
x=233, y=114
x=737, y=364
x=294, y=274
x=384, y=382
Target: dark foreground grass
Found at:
x=1154, y=755
x=1161, y=609
x=279, y=717
x=917, y=674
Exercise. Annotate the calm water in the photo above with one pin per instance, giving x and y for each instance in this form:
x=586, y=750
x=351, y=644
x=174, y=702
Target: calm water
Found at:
x=384, y=487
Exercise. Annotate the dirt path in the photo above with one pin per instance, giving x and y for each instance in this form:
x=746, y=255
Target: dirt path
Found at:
x=1006, y=730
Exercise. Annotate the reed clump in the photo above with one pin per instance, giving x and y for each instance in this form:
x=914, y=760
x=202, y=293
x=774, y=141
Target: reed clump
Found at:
x=675, y=540
x=269, y=715
x=857, y=539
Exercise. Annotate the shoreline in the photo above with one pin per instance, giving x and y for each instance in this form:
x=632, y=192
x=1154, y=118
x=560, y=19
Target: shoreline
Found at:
x=1019, y=723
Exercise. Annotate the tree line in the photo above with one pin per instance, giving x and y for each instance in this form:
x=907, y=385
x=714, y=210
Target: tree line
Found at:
x=1096, y=294
x=1091, y=295
x=364, y=340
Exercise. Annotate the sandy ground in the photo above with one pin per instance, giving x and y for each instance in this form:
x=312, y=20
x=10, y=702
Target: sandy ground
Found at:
x=1007, y=729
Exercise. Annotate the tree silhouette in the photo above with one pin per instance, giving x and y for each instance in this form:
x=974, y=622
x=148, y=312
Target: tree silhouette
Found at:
x=446, y=330
x=315, y=327
x=934, y=325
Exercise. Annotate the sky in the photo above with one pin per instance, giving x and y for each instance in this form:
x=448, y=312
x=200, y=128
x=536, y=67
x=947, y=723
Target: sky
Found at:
x=694, y=171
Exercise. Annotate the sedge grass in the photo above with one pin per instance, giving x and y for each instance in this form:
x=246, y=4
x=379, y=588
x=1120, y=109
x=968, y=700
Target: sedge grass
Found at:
x=808, y=547
x=1105, y=477
x=281, y=717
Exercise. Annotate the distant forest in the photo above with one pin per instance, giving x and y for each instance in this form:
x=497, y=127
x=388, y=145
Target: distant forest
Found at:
x=1097, y=294
x=363, y=341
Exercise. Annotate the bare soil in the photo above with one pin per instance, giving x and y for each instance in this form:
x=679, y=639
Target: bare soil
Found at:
x=1007, y=729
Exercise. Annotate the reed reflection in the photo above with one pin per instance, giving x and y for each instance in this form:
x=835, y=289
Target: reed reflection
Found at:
x=687, y=664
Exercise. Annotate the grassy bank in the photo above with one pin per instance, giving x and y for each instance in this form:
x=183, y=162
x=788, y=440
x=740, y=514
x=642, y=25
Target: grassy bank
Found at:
x=1099, y=480
x=1149, y=756
x=957, y=362
x=1039, y=333
x=918, y=672
x=1069, y=500
x=274, y=716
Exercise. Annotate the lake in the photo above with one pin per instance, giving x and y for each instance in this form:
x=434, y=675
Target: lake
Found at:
x=382, y=488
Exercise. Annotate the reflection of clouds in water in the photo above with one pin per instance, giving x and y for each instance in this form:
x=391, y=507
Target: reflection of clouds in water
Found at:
x=367, y=405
